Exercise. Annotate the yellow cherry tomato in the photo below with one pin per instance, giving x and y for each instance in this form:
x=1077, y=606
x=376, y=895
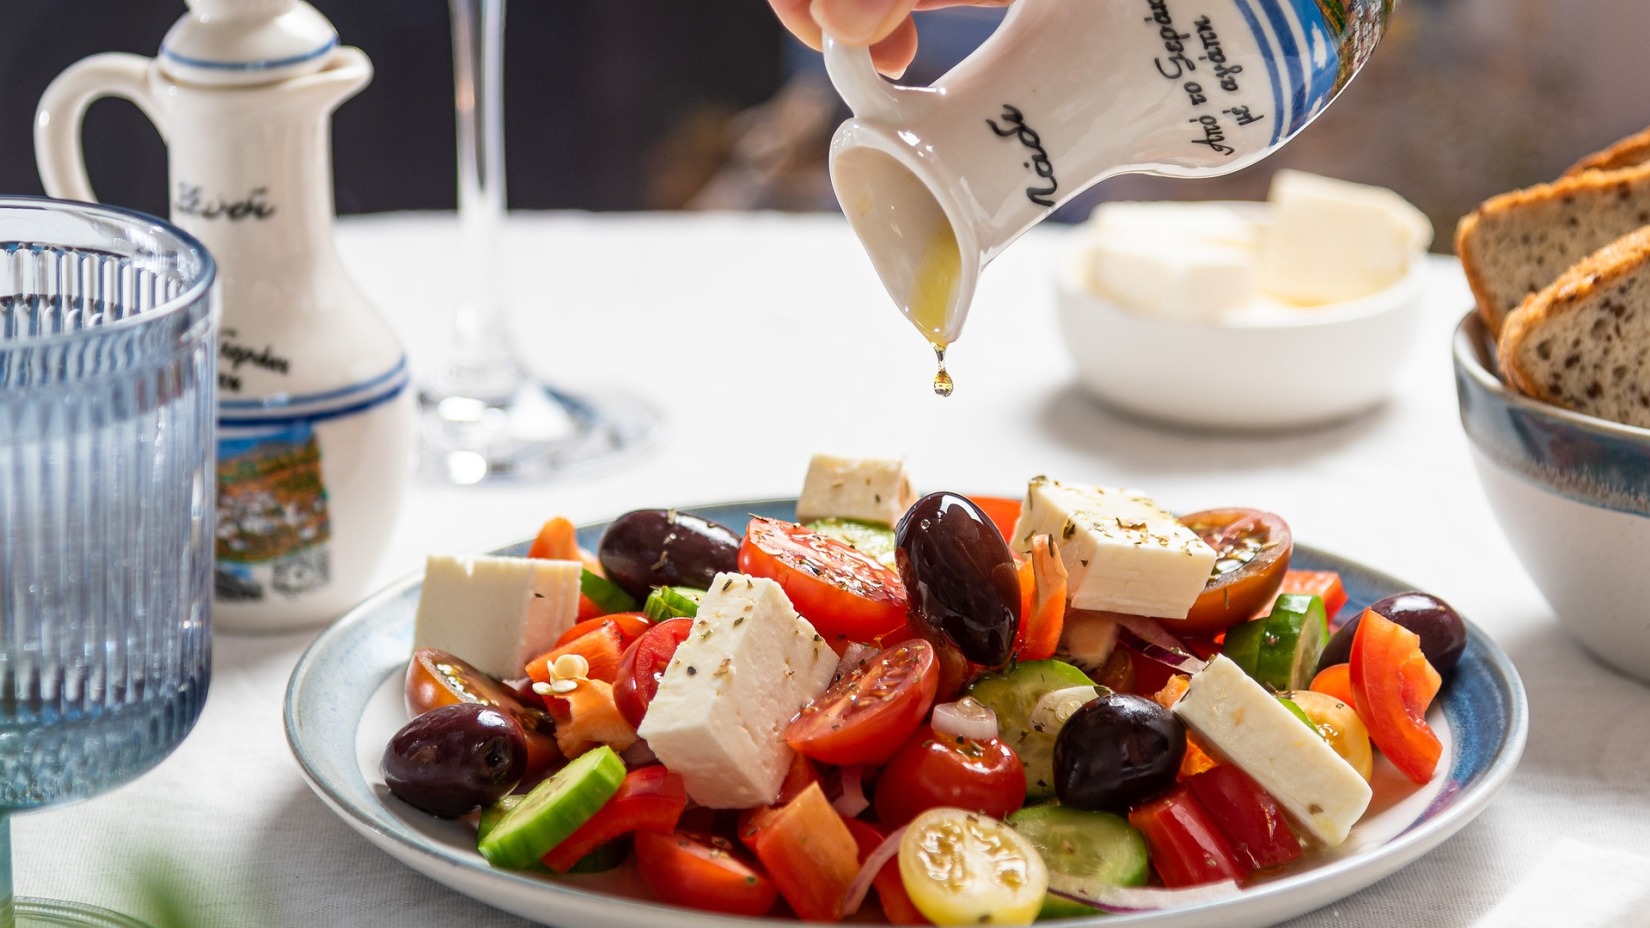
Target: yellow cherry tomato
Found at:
x=963, y=868
x=1339, y=725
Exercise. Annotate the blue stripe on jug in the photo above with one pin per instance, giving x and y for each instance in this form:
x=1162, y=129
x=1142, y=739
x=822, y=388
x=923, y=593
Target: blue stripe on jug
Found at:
x=1269, y=55
x=282, y=410
x=1293, y=66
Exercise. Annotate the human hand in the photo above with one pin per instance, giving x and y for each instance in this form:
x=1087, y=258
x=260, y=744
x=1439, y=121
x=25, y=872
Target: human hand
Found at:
x=884, y=25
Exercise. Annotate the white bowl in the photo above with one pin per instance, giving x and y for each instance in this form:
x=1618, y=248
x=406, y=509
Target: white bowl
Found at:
x=1269, y=370
x=1572, y=495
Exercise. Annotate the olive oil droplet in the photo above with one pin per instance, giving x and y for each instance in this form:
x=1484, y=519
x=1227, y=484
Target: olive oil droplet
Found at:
x=943, y=384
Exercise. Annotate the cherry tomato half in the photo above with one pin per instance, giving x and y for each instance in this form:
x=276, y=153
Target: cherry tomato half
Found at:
x=1252, y=551
x=846, y=595
x=643, y=665
x=865, y=716
x=932, y=769
x=436, y=678
x=705, y=873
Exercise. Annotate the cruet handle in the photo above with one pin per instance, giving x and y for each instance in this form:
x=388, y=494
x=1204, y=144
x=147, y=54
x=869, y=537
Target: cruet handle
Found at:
x=57, y=119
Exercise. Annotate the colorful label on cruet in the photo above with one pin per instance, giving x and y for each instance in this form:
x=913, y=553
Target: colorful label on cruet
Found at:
x=274, y=510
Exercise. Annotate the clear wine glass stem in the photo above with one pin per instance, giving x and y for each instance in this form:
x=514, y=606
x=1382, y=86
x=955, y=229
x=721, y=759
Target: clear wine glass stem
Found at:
x=480, y=363
x=8, y=904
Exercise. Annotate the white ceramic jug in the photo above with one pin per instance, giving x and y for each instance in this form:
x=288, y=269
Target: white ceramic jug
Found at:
x=315, y=420
x=936, y=181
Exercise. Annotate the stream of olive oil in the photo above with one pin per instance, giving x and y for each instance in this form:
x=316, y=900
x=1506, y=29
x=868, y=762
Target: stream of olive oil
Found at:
x=930, y=297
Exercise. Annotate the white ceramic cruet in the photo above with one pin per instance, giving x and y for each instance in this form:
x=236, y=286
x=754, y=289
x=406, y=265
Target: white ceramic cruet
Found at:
x=315, y=421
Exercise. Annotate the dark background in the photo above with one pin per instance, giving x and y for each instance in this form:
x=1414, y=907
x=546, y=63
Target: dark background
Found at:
x=606, y=101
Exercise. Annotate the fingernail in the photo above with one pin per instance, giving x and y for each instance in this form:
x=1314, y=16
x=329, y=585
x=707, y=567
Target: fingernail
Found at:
x=857, y=22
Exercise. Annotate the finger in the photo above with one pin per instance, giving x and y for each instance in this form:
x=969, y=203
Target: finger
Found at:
x=894, y=54
x=861, y=22
x=794, y=15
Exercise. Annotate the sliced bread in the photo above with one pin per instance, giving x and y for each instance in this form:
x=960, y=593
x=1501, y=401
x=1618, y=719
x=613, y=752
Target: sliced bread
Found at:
x=1517, y=243
x=1583, y=342
x=1632, y=150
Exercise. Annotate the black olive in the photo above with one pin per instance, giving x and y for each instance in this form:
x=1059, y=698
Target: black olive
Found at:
x=960, y=577
x=1443, y=634
x=1116, y=751
x=662, y=547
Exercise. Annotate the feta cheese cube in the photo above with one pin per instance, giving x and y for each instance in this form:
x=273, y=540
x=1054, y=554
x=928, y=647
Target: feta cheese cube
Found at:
x=867, y=489
x=1236, y=718
x=497, y=613
x=749, y=665
x=1122, y=551
x=1332, y=240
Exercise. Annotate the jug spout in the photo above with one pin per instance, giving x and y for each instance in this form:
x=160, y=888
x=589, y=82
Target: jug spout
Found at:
x=924, y=246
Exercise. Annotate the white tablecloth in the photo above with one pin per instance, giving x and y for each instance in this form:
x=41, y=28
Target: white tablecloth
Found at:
x=764, y=338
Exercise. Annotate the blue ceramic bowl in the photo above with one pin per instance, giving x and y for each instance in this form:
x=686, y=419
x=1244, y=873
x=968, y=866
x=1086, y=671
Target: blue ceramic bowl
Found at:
x=1572, y=494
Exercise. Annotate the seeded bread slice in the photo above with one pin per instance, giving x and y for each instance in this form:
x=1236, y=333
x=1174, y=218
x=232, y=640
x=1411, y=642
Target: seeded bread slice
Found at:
x=1584, y=342
x=1630, y=151
x=1517, y=243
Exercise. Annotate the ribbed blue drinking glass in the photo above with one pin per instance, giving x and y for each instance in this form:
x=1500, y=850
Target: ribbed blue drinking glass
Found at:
x=108, y=326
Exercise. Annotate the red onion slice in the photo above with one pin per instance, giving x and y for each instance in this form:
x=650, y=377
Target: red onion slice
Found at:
x=1150, y=640
x=853, y=656
x=852, y=801
x=861, y=886
x=965, y=718
x=1125, y=900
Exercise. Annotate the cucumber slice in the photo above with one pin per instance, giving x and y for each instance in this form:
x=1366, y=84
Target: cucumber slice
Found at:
x=672, y=602
x=869, y=538
x=1092, y=847
x=1036, y=746
x=1296, y=632
x=607, y=595
x=490, y=818
x=1014, y=696
x=553, y=810
x=1242, y=644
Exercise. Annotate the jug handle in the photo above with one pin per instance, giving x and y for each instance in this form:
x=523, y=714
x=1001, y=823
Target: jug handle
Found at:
x=57, y=119
x=860, y=85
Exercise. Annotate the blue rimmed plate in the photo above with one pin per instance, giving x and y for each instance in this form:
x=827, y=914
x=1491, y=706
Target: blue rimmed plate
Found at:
x=344, y=702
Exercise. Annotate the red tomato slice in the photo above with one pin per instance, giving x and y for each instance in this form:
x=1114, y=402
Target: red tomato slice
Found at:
x=1252, y=551
x=642, y=666
x=1392, y=686
x=897, y=906
x=865, y=716
x=1187, y=848
x=846, y=595
x=436, y=678
x=703, y=872
x=932, y=769
x=1248, y=816
x=648, y=799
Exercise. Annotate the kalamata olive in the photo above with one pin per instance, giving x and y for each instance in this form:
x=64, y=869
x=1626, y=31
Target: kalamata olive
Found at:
x=1443, y=634
x=959, y=576
x=455, y=759
x=662, y=547
x=1116, y=751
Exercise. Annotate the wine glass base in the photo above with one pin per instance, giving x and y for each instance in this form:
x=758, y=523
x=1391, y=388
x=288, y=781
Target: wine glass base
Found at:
x=538, y=433
x=51, y=913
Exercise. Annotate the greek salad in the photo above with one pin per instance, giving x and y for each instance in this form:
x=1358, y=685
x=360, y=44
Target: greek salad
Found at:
x=948, y=709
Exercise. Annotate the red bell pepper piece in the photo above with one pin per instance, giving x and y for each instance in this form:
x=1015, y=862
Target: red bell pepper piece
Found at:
x=809, y=854
x=1187, y=848
x=602, y=647
x=1248, y=816
x=648, y=799
x=1325, y=584
x=1392, y=686
x=631, y=626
